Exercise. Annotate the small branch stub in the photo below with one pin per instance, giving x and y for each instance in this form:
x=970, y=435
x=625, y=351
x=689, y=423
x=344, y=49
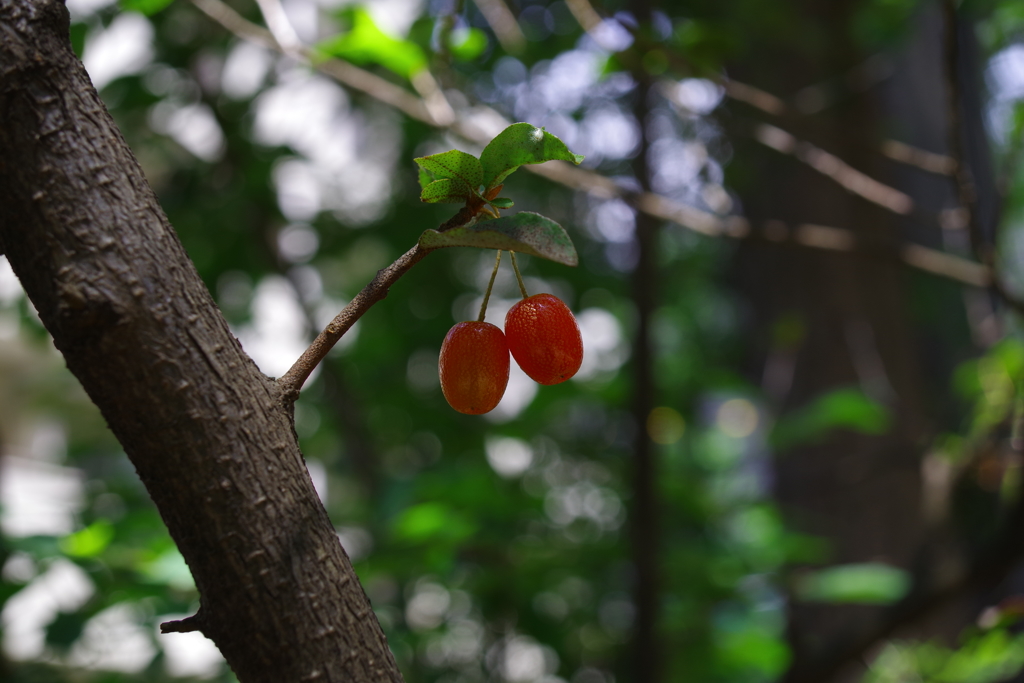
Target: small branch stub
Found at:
x=186, y=625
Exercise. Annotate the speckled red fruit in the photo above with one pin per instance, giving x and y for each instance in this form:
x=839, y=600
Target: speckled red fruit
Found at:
x=544, y=338
x=474, y=367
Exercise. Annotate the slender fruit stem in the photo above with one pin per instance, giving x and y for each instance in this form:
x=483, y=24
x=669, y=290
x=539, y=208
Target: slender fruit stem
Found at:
x=519, y=278
x=487, y=294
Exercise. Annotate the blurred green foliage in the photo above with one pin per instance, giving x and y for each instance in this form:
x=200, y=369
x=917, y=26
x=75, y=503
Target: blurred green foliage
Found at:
x=492, y=548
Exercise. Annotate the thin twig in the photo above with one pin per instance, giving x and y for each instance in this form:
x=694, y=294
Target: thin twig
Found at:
x=291, y=382
x=835, y=168
x=503, y=23
x=585, y=14
x=939, y=164
x=589, y=18
x=280, y=26
x=347, y=74
x=437, y=104
x=829, y=238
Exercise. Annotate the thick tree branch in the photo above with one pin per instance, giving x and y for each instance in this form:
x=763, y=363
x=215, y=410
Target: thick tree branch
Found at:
x=203, y=427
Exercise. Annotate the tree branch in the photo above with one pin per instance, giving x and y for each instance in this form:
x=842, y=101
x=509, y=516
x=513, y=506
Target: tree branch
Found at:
x=138, y=328
x=501, y=20
x=186, y=625
x=291, y=382
x=588, y=18
x=831, y=166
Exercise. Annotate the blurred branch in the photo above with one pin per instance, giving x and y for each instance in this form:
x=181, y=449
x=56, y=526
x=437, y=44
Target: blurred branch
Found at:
x=939, y=164
x=501, y=20
x=440, y=110
x=810, y=100
x=916, y=256
x=835, y=168
x=352, y=76
x=585, y=14
x=280, y=27
x=480, y=129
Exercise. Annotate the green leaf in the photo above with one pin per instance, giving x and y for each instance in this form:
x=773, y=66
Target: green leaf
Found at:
x=521, y=143
x=502, y=203
x=445, y=191
x=425, y=178
x=168, y=568
x=146, y=7
x=750, y=648
x=467, y=44
x=840, y=409
x=453, y=165
x=432, y=522
x=866, y=583
x=90, y=541
x=366, y=43
x=524, y=232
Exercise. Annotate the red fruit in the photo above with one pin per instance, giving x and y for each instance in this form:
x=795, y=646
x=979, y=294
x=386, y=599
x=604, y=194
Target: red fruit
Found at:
x=544, y=338
x=474, y=367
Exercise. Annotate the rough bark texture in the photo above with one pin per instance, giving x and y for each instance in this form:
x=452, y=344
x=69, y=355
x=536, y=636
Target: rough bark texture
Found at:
x=206, y=431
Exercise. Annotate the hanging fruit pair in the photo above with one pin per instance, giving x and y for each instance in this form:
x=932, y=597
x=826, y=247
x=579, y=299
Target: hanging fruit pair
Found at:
x=540, y=333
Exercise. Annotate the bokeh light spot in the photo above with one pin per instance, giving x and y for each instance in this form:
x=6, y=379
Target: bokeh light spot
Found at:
x=737, y=418
x=665, y=425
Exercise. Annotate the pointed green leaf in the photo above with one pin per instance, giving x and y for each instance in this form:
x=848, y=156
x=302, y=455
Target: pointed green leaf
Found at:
x=521, y=143
x=502, y=203
x=865, y=583
x=445, y=191
x=453, y=165
x=524, y=232
x=366, y=43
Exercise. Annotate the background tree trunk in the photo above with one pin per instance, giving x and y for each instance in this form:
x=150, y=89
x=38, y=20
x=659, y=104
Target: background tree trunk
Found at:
x=207, y=432
x=828, y=321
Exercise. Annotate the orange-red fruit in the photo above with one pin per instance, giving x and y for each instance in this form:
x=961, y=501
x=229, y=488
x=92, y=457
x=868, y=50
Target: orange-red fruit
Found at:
x=544, y=338
x=474, y=367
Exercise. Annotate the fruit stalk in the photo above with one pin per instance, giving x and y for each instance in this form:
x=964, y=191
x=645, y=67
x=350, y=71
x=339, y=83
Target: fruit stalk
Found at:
x=490, y=285
x=519, y=277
